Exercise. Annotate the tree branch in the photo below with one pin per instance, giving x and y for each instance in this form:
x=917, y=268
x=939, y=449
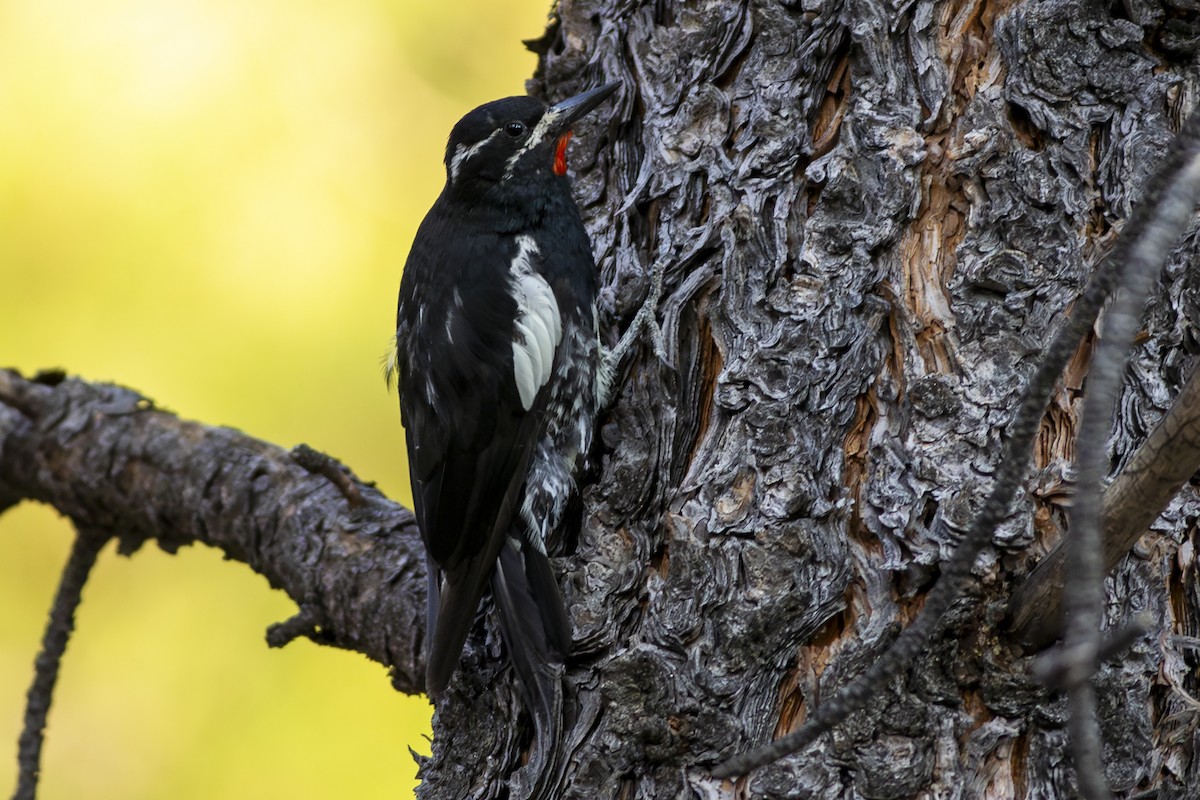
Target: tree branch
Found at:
x=1168, y=457
x=105, y=457
x=1174, y=209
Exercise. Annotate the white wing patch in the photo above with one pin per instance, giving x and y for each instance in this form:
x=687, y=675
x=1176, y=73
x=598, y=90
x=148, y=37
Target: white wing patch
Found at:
x=538, y=324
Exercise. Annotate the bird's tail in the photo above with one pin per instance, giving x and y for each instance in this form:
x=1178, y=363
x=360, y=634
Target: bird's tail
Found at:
x=449, y=616
x=537, y=633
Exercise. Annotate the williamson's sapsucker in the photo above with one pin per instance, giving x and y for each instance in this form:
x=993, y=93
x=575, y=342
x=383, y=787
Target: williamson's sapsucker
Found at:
x=501, y=375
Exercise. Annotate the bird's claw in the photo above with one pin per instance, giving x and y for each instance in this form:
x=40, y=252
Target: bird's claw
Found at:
x=645, y=321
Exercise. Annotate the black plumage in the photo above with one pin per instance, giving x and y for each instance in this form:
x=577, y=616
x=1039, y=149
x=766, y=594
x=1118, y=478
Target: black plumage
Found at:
x=498, y=363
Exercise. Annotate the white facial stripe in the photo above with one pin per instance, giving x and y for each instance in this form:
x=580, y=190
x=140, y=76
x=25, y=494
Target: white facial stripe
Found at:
x=535, y=138
x=538, y=330
x=462, y=153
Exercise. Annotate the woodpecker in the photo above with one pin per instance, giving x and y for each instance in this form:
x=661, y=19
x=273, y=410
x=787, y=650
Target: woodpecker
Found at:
x=501, y=375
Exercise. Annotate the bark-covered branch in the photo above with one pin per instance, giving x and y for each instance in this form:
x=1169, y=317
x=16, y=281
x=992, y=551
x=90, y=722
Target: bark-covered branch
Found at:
x=111, y=461
x=1172, y=198
x=1168, y=457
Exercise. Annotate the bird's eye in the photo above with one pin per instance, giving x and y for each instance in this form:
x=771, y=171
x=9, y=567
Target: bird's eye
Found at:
x=514, y=128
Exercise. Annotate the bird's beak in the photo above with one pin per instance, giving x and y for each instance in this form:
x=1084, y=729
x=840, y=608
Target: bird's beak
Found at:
x=564, y=114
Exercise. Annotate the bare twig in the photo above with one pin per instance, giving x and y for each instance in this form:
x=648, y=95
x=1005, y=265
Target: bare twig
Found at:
x=1086, y=745
x=306, y=622
x=335, y=471
x=1059, y=673
x=1168, y=457
x=59, y=626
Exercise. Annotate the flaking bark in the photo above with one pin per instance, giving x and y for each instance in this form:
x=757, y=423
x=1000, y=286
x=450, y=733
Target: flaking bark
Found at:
x=105, y=457
x=877, y=217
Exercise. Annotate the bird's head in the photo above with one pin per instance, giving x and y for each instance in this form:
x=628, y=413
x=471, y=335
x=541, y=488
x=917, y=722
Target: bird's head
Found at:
x=516, y=140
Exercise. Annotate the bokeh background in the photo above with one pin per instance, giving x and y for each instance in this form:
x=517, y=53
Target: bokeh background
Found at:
x=210, y=201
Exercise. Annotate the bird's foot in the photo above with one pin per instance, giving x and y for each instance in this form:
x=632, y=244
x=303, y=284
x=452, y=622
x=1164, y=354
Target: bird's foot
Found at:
x=644, y=321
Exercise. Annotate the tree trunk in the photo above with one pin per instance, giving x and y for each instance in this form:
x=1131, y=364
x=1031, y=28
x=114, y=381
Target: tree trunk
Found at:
x=873, y=218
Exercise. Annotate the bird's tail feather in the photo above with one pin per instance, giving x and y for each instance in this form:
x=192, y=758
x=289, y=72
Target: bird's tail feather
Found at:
x=433, y=585
x=543, y=587
x=450, y=616
x=453, y=605
x=537, y=634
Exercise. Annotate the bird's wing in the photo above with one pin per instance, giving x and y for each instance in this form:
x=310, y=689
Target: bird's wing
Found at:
x=466, y=505
x=472, y=417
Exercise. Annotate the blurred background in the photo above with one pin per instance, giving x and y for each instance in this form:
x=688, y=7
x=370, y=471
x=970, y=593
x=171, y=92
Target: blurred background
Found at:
x=210, y=201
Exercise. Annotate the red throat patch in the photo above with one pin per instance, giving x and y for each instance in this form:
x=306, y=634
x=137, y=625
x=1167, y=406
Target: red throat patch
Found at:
x=560, y=154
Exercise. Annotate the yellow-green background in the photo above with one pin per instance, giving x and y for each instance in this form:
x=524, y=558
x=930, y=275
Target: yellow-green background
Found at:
x=210, y=201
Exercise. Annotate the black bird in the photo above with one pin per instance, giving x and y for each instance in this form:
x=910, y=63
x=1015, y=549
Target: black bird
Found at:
x=500, y=375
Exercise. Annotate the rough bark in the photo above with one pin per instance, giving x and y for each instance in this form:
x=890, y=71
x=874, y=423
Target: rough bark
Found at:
x=105, y=457
x=874, y=216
